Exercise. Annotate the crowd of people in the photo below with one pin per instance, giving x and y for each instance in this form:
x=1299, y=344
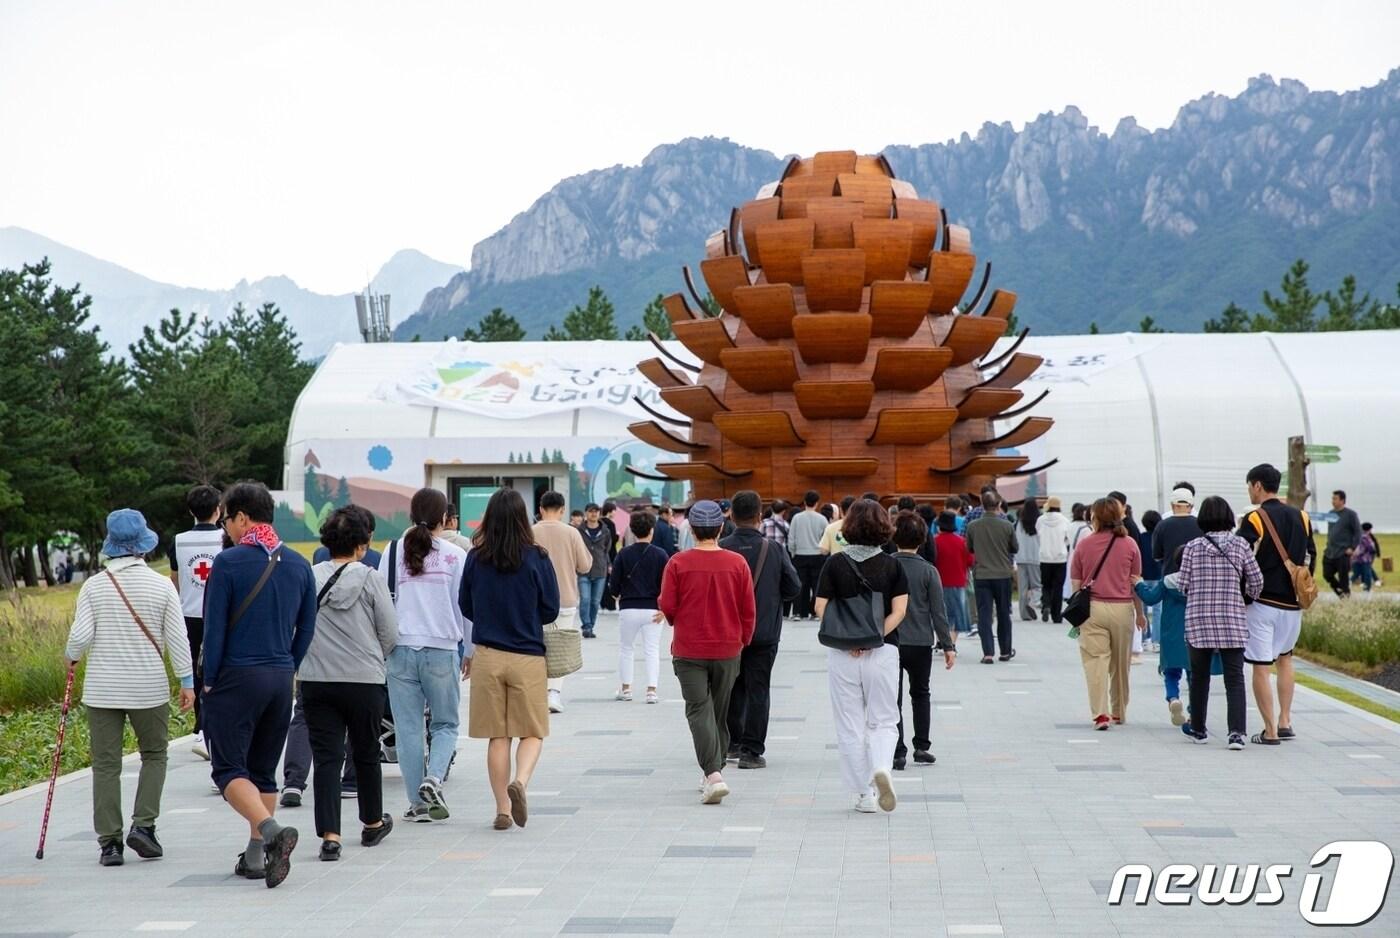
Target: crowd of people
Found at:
x=316, y=665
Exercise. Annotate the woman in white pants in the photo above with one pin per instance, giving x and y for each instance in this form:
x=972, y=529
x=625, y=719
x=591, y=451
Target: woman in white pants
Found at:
x=863, y=653
x=636, y=582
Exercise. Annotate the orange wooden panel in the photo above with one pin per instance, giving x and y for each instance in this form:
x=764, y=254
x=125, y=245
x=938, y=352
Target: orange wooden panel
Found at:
x=1000, y=305
x=852, y=468
x=758, y=429
x=834, y=161
x=957, y=240
x=704, y=337
x=897, y=307
x=697, y=401
x=755, y=213
x=677, y=309
x=873, y=190
x=829, y=400
x=949, y=274
x=903, y=189
x=760, y=369
x=796, y=190
x=780, y=244
x=833, y=218
x=925, y=218
x=1031, y=428
x=986, y=465
x=972, y=337
x=660, y=375
x=910, y=369
x=652, y=433
x=873, y=165
x=981, y=403
x=1018, y=369
x=832, y=337
x=834, y=279
x=886, y=245
x=723, y=275
x=717, y=244
x=700, y=471
x=912, y=426
x=767, y=309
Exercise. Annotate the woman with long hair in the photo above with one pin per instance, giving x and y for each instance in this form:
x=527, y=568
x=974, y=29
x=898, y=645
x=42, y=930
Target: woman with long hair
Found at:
x=1028, y=560
x=1106, y=563
x=509, y=591
x=424, y=574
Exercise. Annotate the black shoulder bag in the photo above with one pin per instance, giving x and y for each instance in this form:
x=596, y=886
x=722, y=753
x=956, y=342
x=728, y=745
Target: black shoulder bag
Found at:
x=853, y=622
x=1077, y=607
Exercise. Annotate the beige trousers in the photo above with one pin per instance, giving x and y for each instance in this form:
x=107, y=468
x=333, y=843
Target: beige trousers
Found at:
x=1105, y=648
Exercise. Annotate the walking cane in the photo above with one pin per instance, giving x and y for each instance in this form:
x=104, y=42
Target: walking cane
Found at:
x=57, y=754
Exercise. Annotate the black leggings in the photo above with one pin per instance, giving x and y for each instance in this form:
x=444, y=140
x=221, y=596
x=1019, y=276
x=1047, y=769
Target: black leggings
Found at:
x=1233, y=661
x=333, y=710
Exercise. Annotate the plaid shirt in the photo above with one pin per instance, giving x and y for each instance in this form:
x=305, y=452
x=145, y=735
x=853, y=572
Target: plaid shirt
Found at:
x=1210, y=578
x=775, y=529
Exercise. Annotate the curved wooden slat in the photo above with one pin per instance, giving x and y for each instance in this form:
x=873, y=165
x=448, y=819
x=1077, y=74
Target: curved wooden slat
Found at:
x=652, y=337
x=677, y=309
x=834, y=161
x=1007, y=415
x=834, y=279
x=653, y=434
x=833, y=218
x=796, y=190
x=873, y=190
x=903, y=189
x=732, y=232
x=836, y=468
x=751, y=214
x=949, y=274
x=794, y=165
x=924, y=216
x=886, y=245
x=758, y=429
x=981, y=403
x=760, y=369
x=910, y=369
x=780, y=244
x=704, y=337
x=832, y=400
x=673, y=421
x=658, y=374
x=767, y=309
x=1021, y=367
x=882, y=164
x=696, y=402
x=647, y=475
x=1000, y=305
x=971, y=305
x=912, y=426
x=717, y=244
x=700, y=472
x=723, y=275
x=694, y=293
x=983, y=465
x=1033, y=469
x=972, y=336
x=1032, y=428
x=957, y=239
x=1020, y=337
x=832, y=337
x=897, y=307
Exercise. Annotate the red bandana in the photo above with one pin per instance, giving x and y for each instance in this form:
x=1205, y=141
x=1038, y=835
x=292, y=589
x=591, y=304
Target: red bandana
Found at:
x=262, y=535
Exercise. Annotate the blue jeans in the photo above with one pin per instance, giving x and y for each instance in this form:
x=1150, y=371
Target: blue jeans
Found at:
x=419, y=677
x=590, y=594
x=955, y=603
x=1171, y=677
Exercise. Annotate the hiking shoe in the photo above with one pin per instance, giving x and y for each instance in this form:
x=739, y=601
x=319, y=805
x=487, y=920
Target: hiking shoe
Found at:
x=241, y=868
x=330, y=851
x=884, y=788
x=371, y=836
x=1237, y=741
x=625, y=694
x=652, y=698
x=143, y=841
x=865, y=804
x=924, y=757
x=198, y=748
x=277, y=856
x=556, y=704
x=750, y=761
x=1199, y=738
x=714, y=792
x=291, y=798
x=417, y=812
x=431, y=793
x=1286, y=732
x=1178, y=712
x=1258, y=739
x=1102, y=722
x=111, y=854
x=519, y=809
x=899, y=763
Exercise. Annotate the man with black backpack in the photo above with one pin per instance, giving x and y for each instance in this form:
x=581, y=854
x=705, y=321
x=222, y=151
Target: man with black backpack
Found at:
x=1282, y=540
x=775, y=582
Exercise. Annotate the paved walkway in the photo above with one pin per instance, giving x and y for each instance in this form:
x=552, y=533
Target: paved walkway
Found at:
x=1016, y=831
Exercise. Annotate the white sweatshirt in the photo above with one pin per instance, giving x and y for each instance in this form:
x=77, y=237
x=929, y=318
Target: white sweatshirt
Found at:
x=427, y=604
x=1053, y=529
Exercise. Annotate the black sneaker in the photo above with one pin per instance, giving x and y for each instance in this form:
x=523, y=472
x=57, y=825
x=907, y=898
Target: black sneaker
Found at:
x=241, y=868
x=731, y=756
x=1008, y=657
x=748, y=761
x=371, y=836
x=277, y=856
x=111, y=854
x=924, y=757
x=899, y=763
x=143, y=841
x=418, y=813
x=291, y=798
x=330, y=851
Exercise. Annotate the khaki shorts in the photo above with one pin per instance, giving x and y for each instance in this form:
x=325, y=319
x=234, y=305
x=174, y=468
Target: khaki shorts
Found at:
x=508, y=696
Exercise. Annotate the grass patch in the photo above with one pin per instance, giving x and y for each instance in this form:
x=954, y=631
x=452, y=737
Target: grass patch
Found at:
x=1346, y=696
x=1363, y=634
x=1390, y=547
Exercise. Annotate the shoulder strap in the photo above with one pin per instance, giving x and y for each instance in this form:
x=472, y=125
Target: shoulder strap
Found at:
x=273, y=559
x=132, y=609
x=1102, y=561
x=1220, y=550
x=321, y=596
x=1273, y=535
x=860, y=577
x=762, y=558
x=393, y=568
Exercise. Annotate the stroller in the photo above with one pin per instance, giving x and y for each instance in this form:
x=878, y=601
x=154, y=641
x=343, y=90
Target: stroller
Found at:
x=388, y=744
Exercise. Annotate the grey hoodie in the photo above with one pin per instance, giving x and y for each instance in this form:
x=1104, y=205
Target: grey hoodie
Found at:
x=355, y=627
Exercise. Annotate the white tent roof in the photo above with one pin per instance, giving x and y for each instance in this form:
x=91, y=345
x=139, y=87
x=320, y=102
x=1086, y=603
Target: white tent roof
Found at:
x=1132, y=412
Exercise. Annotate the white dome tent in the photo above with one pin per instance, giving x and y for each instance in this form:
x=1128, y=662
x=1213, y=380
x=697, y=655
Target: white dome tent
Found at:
x=1133, y=412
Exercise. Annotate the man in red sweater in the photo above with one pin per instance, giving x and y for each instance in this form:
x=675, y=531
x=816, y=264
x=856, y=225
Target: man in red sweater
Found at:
x=707, y=596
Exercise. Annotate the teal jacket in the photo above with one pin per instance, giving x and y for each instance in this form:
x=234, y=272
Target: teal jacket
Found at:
x=1170, y=630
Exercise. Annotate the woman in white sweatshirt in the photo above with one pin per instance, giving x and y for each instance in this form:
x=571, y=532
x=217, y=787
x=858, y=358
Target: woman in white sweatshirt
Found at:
x=1052, y=528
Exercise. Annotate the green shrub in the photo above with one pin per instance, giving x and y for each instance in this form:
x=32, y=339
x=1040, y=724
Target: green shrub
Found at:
x=31, y=647
x=1367, y=633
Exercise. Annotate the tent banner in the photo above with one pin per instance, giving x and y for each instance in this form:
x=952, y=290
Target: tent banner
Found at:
x=1067, y=361
x=511, y=382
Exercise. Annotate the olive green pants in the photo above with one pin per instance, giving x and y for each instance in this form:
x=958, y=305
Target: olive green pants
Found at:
x=705, y=687
x=105, y=726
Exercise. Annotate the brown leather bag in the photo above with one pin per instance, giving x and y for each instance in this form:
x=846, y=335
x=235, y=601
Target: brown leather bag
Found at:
x=135, y=615
x=1304, y=586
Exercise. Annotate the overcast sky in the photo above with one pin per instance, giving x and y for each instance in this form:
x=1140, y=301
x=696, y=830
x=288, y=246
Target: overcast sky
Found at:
x=200, y=142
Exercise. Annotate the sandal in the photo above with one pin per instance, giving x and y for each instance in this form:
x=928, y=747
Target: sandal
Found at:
x=1286, y=732
x=518, y=808
x=502, y=822
x=1259, y=739
x=241, y=869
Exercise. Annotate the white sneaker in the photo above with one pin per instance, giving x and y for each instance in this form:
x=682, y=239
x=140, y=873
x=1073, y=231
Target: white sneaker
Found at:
x=1178, y=712
x=623, y=695
x=199, y=748
x=884, y=785
x=556, y=704
x=652, y=698
x=713, y=792
x=214, y=787
x=865, y=804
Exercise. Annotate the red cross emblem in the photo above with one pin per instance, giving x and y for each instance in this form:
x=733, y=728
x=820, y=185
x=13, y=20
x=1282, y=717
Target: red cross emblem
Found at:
x=202, y=569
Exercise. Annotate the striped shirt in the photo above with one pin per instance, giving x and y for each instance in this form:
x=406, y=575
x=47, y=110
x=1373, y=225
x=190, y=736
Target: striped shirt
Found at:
x=123, y=670
x=1211, y=568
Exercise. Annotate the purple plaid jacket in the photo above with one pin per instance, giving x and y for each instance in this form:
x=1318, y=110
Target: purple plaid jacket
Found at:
x=1211, y=568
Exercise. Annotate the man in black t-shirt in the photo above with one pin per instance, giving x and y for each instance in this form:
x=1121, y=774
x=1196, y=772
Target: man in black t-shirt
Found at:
x=1175, y=531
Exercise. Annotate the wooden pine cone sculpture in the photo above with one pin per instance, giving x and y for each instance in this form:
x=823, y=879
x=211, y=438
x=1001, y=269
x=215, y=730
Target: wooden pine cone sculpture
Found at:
x=841, y=361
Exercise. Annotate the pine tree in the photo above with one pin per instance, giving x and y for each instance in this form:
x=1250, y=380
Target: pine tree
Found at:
x=711, y=305
x=584, y=323
x=1383, y=317
x=654, y=319
x=1233, y=319
x=1294, y=310
x=1344, y=311
x=1013, y=325
x=1093, y=328
x=495, y=326
x=1148, y=324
